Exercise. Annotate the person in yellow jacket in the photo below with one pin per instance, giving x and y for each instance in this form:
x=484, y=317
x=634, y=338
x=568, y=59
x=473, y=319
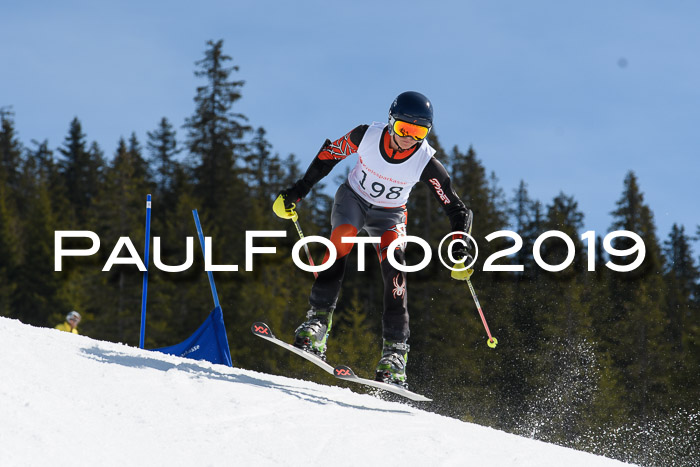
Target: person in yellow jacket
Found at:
x=71, y=323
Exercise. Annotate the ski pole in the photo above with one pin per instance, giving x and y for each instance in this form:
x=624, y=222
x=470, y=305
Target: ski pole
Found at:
x=306, y=246
x=492, y=342
x=465, y=275
x=279, y=209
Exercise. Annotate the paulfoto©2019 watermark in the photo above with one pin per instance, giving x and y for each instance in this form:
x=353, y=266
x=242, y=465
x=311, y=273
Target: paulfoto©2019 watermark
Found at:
x=251, y=250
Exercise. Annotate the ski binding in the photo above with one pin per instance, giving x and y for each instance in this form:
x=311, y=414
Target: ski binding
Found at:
x=346, y=373
x=264, y=331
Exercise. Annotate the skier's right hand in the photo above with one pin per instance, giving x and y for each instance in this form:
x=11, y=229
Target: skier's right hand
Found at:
x=291, y=196
x=279, y=207
x=287, y=200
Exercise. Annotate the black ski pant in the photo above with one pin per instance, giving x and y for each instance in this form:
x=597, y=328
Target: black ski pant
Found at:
x=350, y=215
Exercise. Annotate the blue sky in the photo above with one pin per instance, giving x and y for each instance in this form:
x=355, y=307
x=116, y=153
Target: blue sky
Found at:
x=566, y=96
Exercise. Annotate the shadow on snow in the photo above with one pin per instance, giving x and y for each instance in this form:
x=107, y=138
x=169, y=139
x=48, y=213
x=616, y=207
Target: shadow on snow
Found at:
x=199, y=370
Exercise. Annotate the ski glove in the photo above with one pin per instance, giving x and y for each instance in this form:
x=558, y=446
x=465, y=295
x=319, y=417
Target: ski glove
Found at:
x=287, y=200
x=295, y=193
x=459, y=251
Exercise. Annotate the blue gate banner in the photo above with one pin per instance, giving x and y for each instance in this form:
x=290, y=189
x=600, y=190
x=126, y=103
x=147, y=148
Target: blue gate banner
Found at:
x=209, y=342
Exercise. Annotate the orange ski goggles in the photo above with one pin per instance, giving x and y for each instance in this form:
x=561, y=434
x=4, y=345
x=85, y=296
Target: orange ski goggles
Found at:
x=417, y=132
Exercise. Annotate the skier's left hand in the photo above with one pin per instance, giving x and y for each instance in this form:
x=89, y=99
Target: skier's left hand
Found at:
x=291, y=196
x=461, y=254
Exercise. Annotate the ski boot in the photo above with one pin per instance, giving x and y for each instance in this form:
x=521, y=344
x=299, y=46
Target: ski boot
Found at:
x=312, y=335
x=392, y=366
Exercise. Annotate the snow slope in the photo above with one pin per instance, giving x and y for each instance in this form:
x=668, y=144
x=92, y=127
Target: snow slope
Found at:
x=74, y=401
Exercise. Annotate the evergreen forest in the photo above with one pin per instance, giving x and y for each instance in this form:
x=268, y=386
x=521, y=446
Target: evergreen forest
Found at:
x=597, y=360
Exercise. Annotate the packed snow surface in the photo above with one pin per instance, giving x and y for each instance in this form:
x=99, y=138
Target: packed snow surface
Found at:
x=68, y=400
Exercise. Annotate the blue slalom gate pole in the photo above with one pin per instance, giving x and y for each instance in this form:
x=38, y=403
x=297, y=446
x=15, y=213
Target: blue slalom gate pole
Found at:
x=209, y=273
x=144, y=291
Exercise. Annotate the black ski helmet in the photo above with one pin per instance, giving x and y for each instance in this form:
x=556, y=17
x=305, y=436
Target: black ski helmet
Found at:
x=412, y=107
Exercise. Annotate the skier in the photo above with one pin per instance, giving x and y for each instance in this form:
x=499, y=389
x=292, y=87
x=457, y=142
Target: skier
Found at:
x=391, y=159
x=71, y=323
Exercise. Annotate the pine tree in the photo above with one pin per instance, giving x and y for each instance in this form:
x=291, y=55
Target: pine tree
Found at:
x=215, y=132
x=118, y=212
x=264, y=176
x=262, y=168
x=172, y=222
x=216, y=144
x=38, y=298
x=10, y=153
x=681, y=277
x=81, y=169
x=527, y=299
x=142, y=170
x=527, y=218
x=634, y=333
x=293, y=172
x=162, y=147
x=9, y=259
x=516, y=311
x=691, y=339
x=479, y=191
x=564, y=358
x=10, y=245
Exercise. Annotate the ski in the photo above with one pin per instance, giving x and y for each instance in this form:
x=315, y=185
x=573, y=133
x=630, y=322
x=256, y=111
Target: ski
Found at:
x=264, y=331
x=341, y=371
x=346, y=373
